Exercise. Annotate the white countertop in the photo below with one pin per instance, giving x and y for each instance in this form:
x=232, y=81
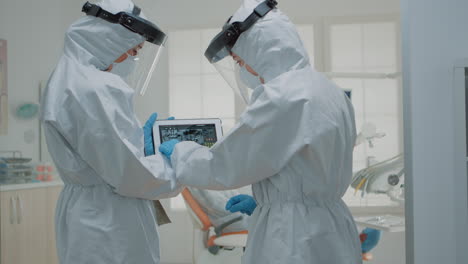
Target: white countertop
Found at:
x=31, y=185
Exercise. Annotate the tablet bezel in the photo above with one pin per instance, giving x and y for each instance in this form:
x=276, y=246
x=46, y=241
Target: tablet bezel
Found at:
x=202, y=121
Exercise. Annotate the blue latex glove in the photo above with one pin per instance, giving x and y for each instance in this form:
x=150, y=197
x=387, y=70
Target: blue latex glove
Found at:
x=148, y=134
x=241, y=203
x=372, y=237
x=167, y=147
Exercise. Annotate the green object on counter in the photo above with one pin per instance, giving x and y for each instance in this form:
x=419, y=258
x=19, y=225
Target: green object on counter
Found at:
x=27, y=111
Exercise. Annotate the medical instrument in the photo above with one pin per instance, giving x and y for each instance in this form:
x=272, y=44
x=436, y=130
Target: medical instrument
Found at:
x=368, y=133
x=381, y=177
x=386, y=177
x=387, y=222
x=15, y=169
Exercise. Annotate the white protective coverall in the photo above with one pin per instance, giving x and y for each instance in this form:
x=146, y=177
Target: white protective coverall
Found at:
x=104, y=213
x=294, y=143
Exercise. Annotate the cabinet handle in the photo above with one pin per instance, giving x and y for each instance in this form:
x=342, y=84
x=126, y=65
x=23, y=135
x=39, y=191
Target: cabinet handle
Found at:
x=12, y=210
x=20, y=205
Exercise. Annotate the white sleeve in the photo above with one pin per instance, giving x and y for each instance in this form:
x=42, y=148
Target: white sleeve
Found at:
x=103, y=129
x=271, y=131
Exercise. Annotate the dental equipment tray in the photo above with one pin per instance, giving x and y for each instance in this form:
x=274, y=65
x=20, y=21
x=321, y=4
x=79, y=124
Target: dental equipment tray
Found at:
x=205, y=132
x=387, y=223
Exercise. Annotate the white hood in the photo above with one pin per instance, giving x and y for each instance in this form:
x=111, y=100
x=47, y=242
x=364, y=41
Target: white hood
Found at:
x=271, y=46
x=111, y=41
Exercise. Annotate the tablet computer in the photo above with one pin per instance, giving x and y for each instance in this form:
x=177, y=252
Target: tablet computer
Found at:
x=205, y=132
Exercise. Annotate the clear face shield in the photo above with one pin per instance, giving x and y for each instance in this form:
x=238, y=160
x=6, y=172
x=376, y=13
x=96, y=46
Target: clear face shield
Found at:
x=143, y=63
x=219, y=51
x=139, y=63
x=230, y=71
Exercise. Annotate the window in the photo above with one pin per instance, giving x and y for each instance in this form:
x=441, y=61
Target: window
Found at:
x=363, y=46
x=369, y=47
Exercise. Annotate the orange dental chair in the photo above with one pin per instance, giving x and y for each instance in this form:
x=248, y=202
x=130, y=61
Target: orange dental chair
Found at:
x=219, y=247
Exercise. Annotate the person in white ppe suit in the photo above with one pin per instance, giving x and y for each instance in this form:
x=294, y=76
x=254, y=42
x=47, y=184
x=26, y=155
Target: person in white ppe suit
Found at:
x=294, y=143
x=105, y=213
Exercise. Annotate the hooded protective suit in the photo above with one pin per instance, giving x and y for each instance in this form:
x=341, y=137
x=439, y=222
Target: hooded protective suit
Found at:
x=104, y=213
x=294, y=143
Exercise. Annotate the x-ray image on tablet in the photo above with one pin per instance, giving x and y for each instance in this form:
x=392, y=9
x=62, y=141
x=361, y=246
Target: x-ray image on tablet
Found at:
x=205, y=132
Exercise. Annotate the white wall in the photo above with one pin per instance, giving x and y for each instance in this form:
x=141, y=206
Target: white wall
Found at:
x=434, y=38
x=34, y=40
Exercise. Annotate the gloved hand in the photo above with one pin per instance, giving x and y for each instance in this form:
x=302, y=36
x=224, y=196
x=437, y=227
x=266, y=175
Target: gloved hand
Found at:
x=369, y=239
x=167, y=147
x=148, y=134
x=241, y=203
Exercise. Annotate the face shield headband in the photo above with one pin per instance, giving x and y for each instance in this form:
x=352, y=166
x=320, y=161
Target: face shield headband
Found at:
x=220, y=47
x=145, y=57
x=131, y=21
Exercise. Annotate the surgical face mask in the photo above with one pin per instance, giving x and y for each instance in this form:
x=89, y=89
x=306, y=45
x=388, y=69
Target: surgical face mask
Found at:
x=125, y=68
x=249, y=79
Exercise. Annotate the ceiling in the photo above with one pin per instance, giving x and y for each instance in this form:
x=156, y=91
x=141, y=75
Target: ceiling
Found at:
x=182, y=14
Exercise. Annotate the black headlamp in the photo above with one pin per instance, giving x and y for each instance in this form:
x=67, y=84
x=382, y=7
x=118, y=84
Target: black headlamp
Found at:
x=222, y=44
x=131, y=21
